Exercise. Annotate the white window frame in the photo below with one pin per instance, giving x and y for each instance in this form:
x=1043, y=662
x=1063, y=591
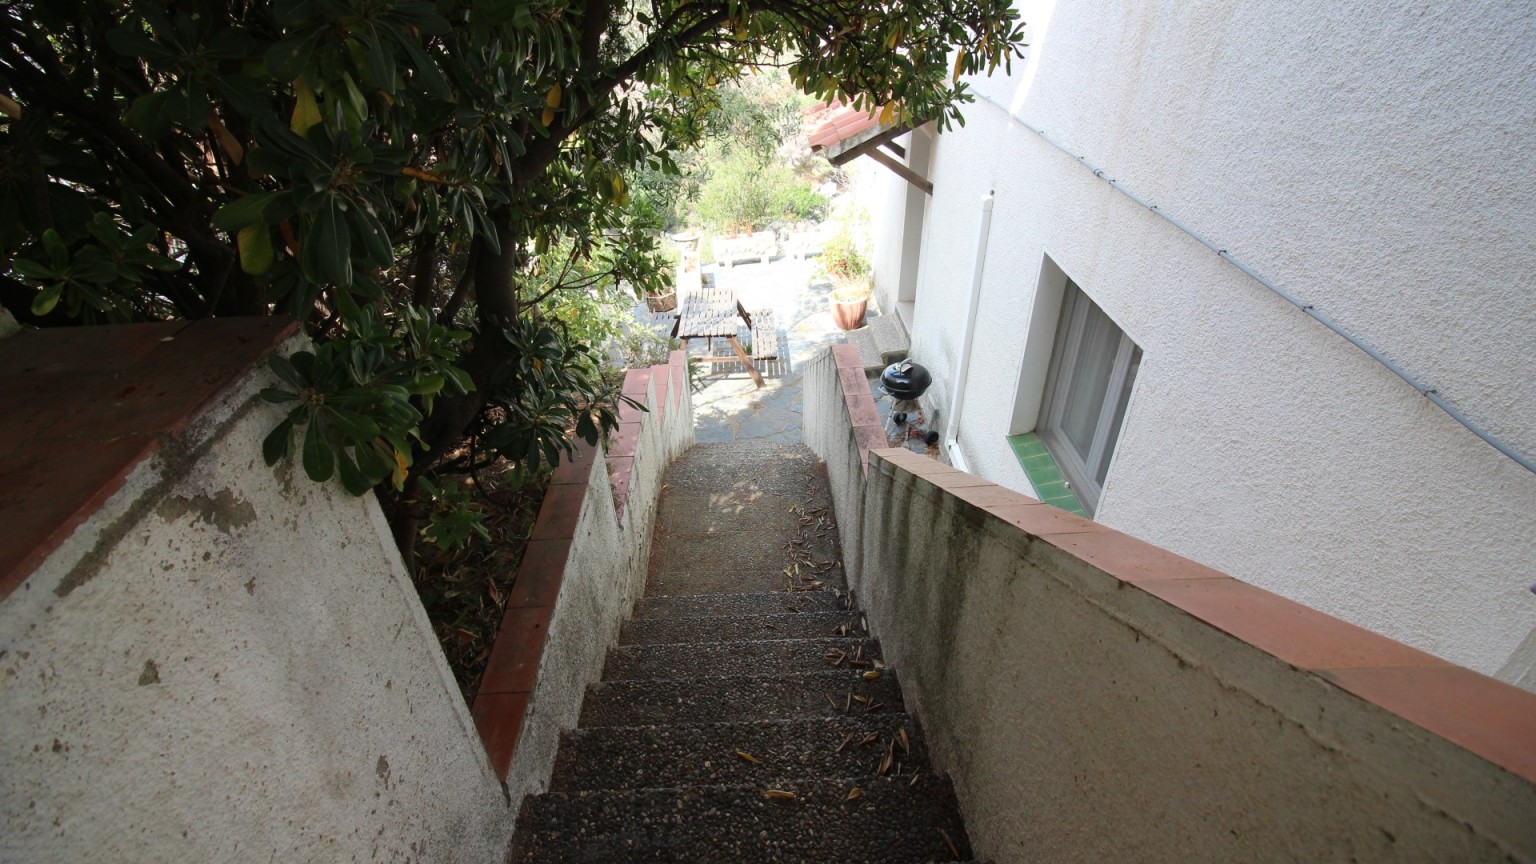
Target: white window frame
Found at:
x=1081, y=473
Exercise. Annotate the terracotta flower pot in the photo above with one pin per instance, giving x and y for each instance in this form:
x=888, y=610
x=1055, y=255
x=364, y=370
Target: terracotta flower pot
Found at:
x=849, y=314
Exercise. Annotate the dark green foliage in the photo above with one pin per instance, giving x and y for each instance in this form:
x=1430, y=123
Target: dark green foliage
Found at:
x=399, y=176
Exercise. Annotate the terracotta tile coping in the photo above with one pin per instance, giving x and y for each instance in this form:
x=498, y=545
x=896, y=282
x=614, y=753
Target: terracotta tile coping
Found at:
x=1487, y=717
x=862, y=415
x=85, y=405
x=511, y=673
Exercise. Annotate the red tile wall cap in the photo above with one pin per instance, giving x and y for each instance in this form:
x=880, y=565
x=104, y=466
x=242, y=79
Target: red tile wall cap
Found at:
x=845, y=355
x=578, y=468
x=499, y=720
x=853, y=381
x=861, y=410
x=636, y=382
x=625, y=440
x=1038, y=519
x=49, y=491
x=540, y=574
x=1489, y=718
x=1128, y=559
x=1298, y=634
x=514, y=660
x=559, y=512
x=1486, y=717
x=630, y=414
x=122, y=391
x=915, y=463
x=959, y=480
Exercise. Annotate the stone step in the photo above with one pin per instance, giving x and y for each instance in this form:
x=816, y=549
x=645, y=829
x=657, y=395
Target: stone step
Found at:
x=738, y=698
x=758, y=657
x=891, y=338
x=893, y=820
x=702, y=754
x=759, y=603
x=749, y=469
x=881, y=342
x=734, y=628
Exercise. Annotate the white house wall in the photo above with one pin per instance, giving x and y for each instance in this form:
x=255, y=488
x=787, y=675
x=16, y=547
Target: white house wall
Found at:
x=1372, y=159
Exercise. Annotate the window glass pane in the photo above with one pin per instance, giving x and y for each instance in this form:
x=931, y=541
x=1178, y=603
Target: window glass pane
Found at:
x=1123, y=399
x=1093, y=363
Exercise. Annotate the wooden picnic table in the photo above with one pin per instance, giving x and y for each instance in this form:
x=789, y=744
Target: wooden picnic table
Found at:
x=712, y=312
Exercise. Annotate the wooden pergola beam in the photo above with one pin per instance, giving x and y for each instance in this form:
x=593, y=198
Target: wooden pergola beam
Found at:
x=901, y=170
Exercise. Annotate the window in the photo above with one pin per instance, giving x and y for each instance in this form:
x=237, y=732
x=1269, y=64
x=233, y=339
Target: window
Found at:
x=1093, y=367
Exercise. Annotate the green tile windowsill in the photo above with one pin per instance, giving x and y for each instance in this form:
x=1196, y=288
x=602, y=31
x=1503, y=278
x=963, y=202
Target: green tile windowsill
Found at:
x=1041, y=469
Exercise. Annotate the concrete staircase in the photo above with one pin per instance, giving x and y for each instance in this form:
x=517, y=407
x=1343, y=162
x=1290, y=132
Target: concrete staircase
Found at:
x=746, y=714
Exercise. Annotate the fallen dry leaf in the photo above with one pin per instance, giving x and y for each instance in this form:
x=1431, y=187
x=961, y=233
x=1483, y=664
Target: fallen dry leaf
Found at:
x=871, y=674
x=854, y=794
x=748, y=757
x=778, y=795
x=950, y=843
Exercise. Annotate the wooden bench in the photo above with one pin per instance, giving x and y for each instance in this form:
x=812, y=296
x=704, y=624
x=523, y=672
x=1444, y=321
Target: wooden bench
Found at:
x=765, y=336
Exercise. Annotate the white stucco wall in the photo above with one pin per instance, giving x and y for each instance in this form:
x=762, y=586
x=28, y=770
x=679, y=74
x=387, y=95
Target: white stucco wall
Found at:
x=1367, y=157
x=228, y=662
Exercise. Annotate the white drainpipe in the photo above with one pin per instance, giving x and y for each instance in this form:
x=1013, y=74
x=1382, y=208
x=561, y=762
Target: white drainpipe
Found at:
x=957, y=403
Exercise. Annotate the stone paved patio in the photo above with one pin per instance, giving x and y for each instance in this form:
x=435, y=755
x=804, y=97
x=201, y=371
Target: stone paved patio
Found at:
x=727, y=405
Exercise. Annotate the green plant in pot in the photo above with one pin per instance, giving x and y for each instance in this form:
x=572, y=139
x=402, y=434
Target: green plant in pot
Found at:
x=848, y=269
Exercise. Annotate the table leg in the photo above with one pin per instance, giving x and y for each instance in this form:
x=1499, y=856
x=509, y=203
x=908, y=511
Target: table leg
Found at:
x=745, y=360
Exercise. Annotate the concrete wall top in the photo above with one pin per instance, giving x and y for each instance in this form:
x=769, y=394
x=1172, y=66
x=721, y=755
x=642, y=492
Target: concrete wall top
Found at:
x=84, y=405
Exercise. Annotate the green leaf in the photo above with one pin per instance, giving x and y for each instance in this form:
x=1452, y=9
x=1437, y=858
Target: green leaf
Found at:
x=319, y=461
x=28, y=269
x=44, y=302
x=352, y=479
x=327, y=251
x=241, y=212
x=286, y=60
x=279, y=442
x=283, y=368
x=351, y=424
x=274, y=395
x=58, y=253
x=255, y=244
x=148, y=115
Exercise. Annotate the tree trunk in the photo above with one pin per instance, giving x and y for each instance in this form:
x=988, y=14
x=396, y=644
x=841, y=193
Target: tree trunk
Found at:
x=443, y=431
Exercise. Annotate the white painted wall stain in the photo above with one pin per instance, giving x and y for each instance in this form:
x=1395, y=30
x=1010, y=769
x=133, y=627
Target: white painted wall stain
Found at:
x=1367, y=157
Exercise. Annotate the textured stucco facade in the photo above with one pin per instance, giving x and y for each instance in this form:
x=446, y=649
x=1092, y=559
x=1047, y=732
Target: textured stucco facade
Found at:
x=228, y=662
x=1365, y=157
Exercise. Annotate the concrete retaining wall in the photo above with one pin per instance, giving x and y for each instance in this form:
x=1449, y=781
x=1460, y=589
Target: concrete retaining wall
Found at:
x=584, y=570
x=222, y=661
x=1096, y=698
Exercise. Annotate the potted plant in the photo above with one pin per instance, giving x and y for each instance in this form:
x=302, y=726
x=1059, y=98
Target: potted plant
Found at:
x=848, y=269
x=661, y=293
